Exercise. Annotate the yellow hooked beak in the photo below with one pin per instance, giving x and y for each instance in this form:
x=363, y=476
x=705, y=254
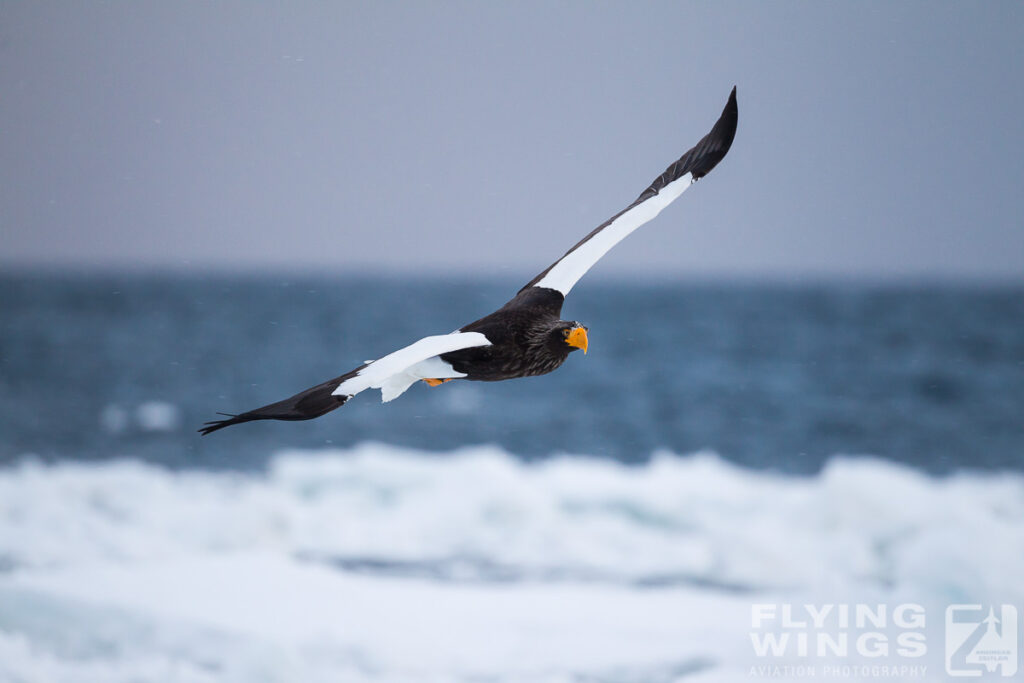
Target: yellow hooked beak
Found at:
x=578, y=338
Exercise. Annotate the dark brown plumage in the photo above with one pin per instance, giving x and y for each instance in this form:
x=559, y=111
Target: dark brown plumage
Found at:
x=527, y=336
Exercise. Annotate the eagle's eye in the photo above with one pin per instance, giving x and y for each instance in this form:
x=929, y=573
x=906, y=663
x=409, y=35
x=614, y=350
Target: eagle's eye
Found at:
x=565, y=333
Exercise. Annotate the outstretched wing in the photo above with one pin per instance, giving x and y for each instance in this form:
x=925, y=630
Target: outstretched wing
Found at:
x=392, y=374
x=304, y=405
x=695, y=164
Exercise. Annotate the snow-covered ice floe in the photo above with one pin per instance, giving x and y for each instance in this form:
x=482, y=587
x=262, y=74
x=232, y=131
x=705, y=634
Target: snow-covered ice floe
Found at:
x=382, y=564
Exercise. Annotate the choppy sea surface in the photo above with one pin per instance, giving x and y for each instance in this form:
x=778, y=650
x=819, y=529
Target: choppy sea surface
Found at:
x=771, y=377
x=721, y=446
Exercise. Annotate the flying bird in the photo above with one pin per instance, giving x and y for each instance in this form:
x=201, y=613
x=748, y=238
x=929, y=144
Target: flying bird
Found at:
x=527, y=335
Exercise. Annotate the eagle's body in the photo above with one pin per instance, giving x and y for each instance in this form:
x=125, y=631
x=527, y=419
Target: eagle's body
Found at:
x=526, y=336
x=521, y=339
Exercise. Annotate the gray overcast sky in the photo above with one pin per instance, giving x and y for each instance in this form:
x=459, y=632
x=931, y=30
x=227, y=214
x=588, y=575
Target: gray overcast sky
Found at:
x=878, y=139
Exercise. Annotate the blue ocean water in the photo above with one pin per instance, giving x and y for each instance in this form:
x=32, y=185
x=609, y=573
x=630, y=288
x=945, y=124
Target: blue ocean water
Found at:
x=741, y=445
x=773, y=376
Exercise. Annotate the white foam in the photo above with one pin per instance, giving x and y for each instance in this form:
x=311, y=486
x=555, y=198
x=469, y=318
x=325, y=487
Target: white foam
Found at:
x=378, y=563
x=157, y=416
x=263, y=617
x=697, y=517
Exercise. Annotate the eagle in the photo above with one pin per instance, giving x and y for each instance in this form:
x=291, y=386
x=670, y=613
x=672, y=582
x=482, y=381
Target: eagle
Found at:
x=525, y=337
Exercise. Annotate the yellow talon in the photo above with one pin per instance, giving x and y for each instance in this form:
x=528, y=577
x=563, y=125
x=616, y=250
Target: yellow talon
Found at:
x=436, y=382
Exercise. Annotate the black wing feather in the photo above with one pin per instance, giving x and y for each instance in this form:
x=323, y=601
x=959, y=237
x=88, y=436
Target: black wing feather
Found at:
x=699, y=161
x=305, y=405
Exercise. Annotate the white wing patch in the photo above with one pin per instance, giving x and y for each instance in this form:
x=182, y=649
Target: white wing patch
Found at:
x=574, y=265
x=395, y=372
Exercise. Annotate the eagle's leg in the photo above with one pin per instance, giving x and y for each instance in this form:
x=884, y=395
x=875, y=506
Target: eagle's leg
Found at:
x=437, y=382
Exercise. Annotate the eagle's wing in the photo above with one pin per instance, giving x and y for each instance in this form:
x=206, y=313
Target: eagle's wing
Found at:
x=695, y=164
x=392, y=374
x=395, y=372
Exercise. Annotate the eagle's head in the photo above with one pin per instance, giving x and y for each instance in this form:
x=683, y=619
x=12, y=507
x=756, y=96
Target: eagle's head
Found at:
x=572, y=334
